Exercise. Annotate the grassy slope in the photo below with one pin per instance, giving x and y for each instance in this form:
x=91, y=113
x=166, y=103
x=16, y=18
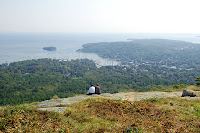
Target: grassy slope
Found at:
x=103, y=115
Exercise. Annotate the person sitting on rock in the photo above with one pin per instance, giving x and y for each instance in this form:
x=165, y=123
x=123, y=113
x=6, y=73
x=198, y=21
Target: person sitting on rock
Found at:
x=91, y=90
x=97, y=89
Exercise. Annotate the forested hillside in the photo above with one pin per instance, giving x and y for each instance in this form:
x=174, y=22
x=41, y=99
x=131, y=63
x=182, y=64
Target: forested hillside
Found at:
x=38, y=80
x=153, y=52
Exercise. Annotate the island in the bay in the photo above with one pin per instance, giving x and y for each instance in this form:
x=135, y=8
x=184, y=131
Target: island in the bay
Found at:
x=49, y=48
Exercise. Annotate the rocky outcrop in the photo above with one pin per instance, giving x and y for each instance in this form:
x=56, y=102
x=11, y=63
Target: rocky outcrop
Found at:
x=60, y=105
x=190, y=93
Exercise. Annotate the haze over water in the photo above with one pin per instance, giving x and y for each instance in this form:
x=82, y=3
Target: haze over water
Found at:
x=25, y=46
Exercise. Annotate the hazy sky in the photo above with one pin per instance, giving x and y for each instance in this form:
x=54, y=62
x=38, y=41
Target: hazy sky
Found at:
x=126, y=16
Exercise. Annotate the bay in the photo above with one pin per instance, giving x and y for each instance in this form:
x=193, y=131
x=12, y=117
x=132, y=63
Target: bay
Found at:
x=26, y=46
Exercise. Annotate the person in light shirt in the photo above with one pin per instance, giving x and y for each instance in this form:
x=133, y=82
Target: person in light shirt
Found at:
x=91, y=90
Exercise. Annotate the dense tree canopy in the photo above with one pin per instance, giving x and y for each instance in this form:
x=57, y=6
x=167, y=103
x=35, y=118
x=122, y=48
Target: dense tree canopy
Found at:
x=37, y=80
x=198, y=81
x=157, y=52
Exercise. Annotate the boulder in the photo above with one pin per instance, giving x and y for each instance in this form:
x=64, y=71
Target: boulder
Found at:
x=187, y=92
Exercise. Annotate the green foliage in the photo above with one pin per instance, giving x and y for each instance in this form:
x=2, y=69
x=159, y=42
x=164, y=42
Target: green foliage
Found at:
x=179, y=86
x=38, y=80
x=152, y=100
x=198, y=81
x=183, y=55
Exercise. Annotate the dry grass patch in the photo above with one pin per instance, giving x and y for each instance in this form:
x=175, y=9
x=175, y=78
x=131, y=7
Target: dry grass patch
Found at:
x=55, y=97
x=104, y=115
x=126, y=116
x=22, y=119
x=194, y=88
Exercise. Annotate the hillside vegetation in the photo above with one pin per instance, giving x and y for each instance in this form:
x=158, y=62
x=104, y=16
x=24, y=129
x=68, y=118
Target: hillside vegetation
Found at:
x=104, y=115
x=38, y=80
x=147, y=64
x=152, y=52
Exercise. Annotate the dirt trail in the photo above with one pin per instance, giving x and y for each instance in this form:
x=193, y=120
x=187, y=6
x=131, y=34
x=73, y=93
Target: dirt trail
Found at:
x=59, y=105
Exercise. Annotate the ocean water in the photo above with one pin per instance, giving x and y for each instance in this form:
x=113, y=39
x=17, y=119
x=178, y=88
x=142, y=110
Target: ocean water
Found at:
x=25, y=46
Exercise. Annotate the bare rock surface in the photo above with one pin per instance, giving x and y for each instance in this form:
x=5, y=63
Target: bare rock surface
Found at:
x=187, y=92
x=60, y=105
